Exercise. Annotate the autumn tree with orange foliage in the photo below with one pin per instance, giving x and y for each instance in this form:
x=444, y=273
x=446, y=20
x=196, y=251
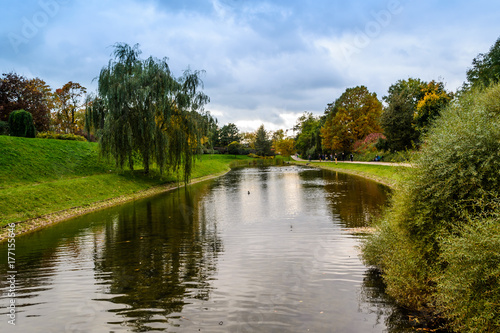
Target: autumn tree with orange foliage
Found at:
x=353, y=116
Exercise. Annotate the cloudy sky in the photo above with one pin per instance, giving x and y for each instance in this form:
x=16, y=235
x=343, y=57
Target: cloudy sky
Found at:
x=266, y=61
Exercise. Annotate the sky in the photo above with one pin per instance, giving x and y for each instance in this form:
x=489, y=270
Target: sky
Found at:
x=265, y=62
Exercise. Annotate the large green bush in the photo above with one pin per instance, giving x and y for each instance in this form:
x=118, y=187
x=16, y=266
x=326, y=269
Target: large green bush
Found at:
x=21, y=124
x=451, y=189
x=468, y=292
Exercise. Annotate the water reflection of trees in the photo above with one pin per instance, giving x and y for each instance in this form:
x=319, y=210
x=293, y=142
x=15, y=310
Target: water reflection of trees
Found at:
x=159, y=252
x=38, y=260
x=354, y=199
x=373, y=299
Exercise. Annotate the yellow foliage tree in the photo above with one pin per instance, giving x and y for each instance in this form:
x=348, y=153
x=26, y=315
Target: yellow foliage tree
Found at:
x=429, y=107
x=286, y=147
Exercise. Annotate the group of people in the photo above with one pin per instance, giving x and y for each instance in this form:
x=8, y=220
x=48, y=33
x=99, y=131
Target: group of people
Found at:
x=333, y=157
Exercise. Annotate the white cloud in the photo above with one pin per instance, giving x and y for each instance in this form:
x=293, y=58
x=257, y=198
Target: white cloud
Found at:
x=265, y=61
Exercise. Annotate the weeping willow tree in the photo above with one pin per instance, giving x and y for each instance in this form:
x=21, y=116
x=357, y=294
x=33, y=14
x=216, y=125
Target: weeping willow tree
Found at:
x=141, y=110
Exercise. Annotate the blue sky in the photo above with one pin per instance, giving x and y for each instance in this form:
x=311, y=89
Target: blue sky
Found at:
x=266, y=62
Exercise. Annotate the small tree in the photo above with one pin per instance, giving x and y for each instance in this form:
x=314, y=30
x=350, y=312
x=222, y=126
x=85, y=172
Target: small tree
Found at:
x=262, y=142
x=234, y=148
x=227, y=134
x=485, y=68
x=286, y=147
x=21, y=124
x=308, y=129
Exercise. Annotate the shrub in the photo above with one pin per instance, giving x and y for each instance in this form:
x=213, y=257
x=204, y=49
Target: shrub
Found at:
x=456, y=169
x=368, y=143
x=4, y=128
x=60, y=136
x=234, y=148
x=469, y=290
x=382, y=144
x=21, y=124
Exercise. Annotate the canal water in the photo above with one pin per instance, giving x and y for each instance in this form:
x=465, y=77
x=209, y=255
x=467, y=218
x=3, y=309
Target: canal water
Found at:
x=258, y=250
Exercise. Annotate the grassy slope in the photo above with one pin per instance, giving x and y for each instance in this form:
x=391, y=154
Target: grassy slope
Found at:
x=28, y=161
x=385, y=174
x=41, y=176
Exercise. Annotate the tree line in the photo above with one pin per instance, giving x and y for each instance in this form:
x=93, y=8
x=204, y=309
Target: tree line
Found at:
x=143, y=115
x=60, y=110
x=359, y=122
x=358, y=119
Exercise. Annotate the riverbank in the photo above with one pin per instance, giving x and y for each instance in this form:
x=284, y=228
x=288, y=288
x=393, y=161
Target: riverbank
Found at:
x=46, y=181
x=388, y=174
x=33, y=224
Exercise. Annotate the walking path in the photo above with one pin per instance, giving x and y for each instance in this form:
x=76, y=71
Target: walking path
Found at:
x=357, y=162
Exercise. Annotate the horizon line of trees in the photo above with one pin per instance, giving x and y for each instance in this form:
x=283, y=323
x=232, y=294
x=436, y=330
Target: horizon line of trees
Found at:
x=396, y=122
x=60, y=110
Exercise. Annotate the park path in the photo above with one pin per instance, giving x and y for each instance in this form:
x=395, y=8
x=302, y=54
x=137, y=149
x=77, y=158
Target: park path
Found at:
x=357, y=162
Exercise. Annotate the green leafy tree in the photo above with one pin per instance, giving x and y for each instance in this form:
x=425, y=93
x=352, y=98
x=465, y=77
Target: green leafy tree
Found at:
x=353, y=116
x=262, y=142
x=411, y=107
x=227, y=134
x=308, y=140
x=485, y=68
x=142, y=109
x=397, y=117
x=234, y=148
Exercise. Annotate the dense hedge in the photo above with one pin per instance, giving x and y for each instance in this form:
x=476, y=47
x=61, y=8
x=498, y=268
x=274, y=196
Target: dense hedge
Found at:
x=60, y=136
x=437, y=245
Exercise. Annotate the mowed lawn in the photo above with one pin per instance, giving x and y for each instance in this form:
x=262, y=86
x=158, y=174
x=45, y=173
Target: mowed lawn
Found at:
x=43, y=176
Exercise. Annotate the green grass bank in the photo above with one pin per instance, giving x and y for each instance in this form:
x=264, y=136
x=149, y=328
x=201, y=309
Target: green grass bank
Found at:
x=41, y=176
x=389, y=175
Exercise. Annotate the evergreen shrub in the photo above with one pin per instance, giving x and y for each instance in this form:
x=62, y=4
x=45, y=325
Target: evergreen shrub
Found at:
x=21, y=124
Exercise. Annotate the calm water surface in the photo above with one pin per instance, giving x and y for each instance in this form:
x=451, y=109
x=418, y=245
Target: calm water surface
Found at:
x=258, y=250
